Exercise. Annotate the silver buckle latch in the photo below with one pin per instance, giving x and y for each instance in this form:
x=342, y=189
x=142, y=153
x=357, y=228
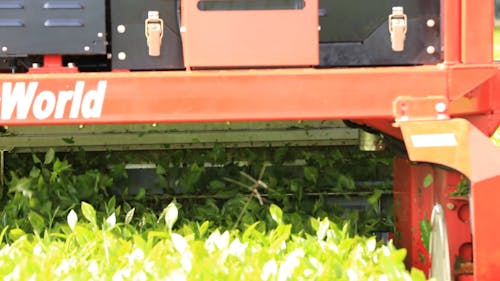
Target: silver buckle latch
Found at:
x=398, y=25
x=153, y=28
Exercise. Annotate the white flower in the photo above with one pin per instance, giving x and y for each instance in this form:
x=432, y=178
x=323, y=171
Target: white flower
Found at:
x=371, y=244
x=149, y=266
x=269, y=270
x=236, y=248
x=352, y=274
x=292, y=260
x=65, y=266
x=136, y=255
x=211, y=240
x=14, y=275
x=72, y=219
x=121, y=274
x=93, y=268
x=37, y=250
x=111, y=220
x=180, y=244
x=383, y=277
x=140, y=276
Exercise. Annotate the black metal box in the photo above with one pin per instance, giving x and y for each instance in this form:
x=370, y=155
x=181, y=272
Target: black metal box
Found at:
x=52, y=27
x=130, y=21
x=356, y=32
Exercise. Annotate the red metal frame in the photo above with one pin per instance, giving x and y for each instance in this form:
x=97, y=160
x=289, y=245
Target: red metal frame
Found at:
x=455, y=104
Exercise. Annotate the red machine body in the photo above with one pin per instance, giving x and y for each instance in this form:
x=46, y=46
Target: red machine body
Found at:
x=443, y=112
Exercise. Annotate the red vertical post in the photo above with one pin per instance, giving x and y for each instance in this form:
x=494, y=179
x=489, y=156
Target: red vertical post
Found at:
x=451, y=13
x=417, y=188
x=477, y=31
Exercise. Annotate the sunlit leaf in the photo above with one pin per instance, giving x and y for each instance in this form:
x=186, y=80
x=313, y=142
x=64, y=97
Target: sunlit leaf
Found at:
x=129, y=216
x=72, y=219
x=276, y=213
x=36, y=221
x=89, y=213
x=111, y=220
x=171, y=214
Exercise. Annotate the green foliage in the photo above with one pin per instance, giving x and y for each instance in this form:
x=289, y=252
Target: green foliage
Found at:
x=224, y=186
x=425, y=232
x=192, y=252
x=80, y=206
x=463, y=189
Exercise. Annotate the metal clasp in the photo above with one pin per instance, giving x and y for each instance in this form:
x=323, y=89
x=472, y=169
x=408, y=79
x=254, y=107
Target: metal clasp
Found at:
x=153, y=28
x=398, y=25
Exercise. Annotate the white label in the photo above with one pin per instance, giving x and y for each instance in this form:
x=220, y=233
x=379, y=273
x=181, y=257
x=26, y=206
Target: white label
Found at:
x=434, y=140
x=24, y=98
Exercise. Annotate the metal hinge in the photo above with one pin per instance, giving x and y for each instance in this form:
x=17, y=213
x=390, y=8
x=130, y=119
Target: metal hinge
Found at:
x=153, y=28
x=398, y=25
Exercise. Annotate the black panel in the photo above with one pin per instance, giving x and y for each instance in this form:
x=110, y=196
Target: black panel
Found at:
x=52, y=27
x=131, y=14
x=244, y=5
x=355, y=33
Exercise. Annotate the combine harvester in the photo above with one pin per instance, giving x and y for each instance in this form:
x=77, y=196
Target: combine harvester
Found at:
x=127, y=74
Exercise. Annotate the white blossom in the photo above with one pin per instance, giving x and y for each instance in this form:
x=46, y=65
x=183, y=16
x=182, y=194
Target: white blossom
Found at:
x=72, y=219
x=269, y=270
x=121, y=274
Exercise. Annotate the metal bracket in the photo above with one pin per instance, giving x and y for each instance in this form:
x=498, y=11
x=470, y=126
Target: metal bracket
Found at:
x=153, y=29
x=398, y=25
x=419, y=109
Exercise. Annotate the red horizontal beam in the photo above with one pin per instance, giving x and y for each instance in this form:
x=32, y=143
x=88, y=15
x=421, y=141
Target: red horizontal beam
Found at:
x=231, y=95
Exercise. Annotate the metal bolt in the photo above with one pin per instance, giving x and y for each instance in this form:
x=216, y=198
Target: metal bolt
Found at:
x=4, y=49
x=71, y=64
x=100, y=34
x=109, y=56
x=35, y=65
x=431, y=50
x=450, y=206
x=440, y=107
x=121, y=28
x=86, y=48
x=122, y=56
x=431, y=23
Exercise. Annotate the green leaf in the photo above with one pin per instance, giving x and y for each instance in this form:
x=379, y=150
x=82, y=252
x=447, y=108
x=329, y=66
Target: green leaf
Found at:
x=323, y=227
x=36, y=160
x=89, y=213
x=428, y=180
x=141, y=194
x=36, y=221
x=72, y=219
x=425, y=229
x=110, y=206
x=171, y=214
x=16, y=233
x=276, y=214
x=49, y=156
x=311, y=173
x=129, y=216
x=417, y=275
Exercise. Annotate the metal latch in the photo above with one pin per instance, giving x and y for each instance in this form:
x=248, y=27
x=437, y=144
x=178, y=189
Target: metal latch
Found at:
x=153, y=28
x=398, y=25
